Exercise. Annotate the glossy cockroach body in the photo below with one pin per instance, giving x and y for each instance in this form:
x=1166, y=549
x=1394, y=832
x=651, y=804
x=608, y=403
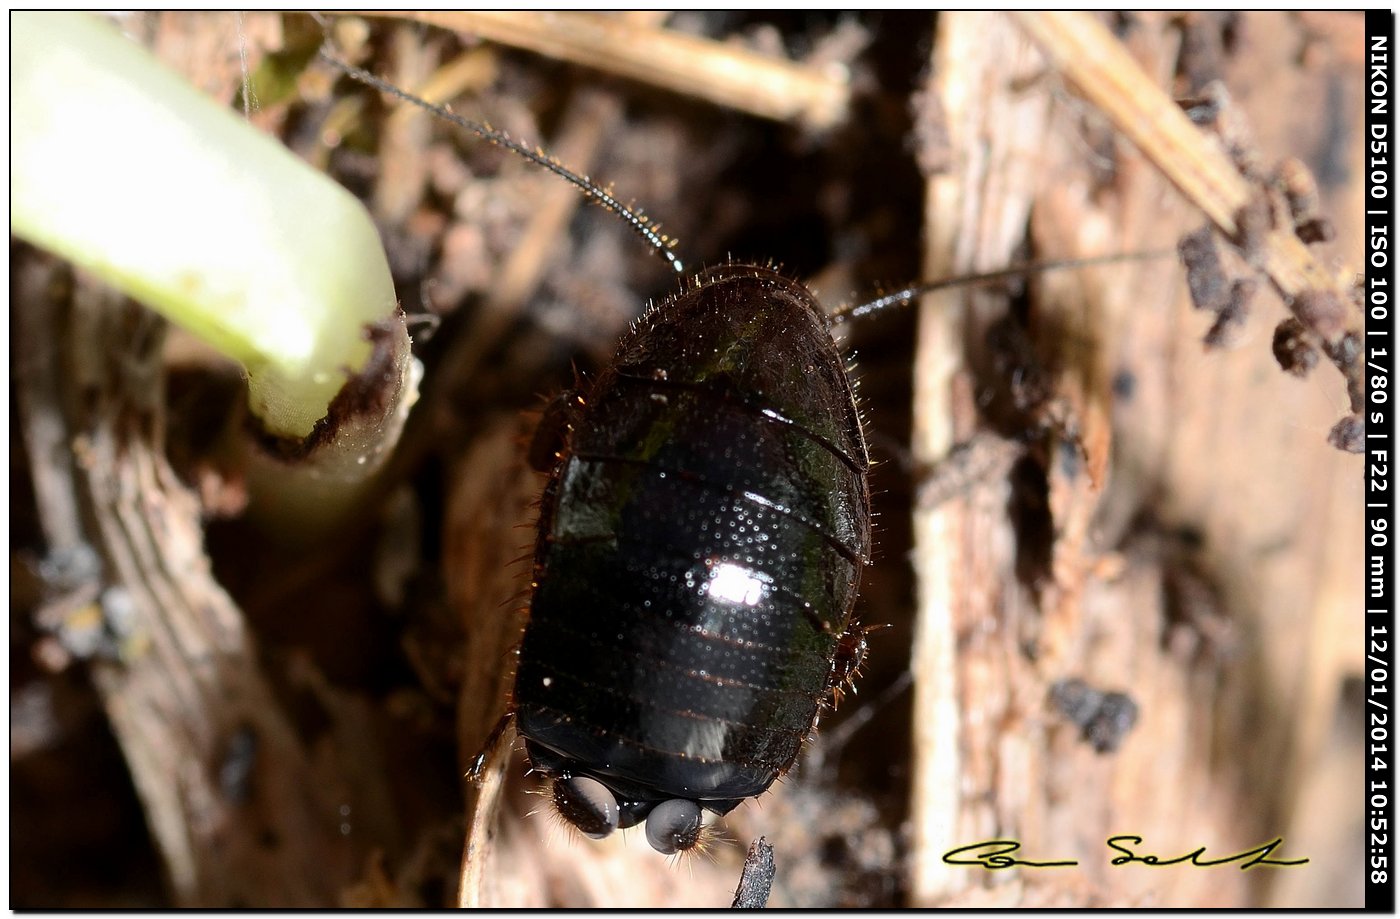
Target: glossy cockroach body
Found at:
x=699, y=552
x=700, y=548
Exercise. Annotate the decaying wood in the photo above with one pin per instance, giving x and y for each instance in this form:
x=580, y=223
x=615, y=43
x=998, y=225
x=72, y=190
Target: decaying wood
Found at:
x=1084, y=52
x=229, y=793
x=1146, y=434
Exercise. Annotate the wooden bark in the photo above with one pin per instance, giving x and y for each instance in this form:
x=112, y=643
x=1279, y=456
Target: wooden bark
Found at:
x=1232, y=732
x=227, y=786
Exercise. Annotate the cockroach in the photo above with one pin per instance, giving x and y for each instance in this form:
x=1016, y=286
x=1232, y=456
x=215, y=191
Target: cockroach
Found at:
x=701, y=542
x=700, y=546
x=700, y=549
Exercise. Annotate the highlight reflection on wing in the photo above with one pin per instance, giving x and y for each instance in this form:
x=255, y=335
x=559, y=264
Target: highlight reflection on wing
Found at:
x=736, y=584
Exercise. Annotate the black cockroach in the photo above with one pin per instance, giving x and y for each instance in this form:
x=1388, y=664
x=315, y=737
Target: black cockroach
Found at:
x=701, y=541
x=700, y=547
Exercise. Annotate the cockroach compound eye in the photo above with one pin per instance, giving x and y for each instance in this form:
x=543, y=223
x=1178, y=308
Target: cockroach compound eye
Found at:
x=587, y=804
x=674, y=826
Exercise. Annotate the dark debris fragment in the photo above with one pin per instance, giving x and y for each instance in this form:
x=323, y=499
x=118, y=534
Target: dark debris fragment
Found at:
x=1214, y=291
x=1202, y=110
x=1299, y=189
x=1232, y=314
x=1293, y=348
x=1210, y=107
x=1345, y=354
x=237, y=765
x=1286, y=198
x=1205, y=277
x=1315, y=230
x=1103, y=718
x=756, y=883
x=1206, y=40
x=1349, y=434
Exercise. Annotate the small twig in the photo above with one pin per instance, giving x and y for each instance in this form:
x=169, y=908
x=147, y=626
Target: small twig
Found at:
x=724, y=74
x=756, y=883
x=1087, y=55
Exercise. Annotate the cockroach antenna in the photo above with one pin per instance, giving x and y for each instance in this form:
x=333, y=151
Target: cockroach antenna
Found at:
x=641, y=225
x=906, y=296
